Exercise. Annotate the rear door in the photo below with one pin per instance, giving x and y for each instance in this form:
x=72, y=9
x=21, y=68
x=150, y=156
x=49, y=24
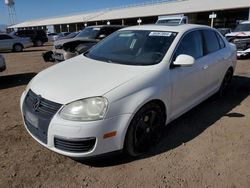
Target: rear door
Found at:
x=188, y=83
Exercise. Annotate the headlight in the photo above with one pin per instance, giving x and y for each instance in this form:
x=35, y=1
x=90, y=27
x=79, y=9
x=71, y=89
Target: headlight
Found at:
x=89, y=109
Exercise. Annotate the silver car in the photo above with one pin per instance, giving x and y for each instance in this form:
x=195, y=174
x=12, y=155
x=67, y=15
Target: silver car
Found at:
x=2, y=63
x=14, y=43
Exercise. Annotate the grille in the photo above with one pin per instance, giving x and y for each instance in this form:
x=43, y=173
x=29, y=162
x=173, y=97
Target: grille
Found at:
x=45, y=107
x=37, y=115
x=75, y=146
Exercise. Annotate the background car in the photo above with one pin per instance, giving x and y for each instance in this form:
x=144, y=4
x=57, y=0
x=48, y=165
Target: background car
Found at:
x=120, y=94
x=69, y=36
x=55, y=36
x=241, y=38
x=38, y=37
x=51, y=36
x=14, y=43
x=68, y=48
x=2, y=63
x=224, y=31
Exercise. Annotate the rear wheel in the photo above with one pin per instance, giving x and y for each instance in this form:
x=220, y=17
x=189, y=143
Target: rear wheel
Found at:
x=145, y=129
x=17, y=48
x=226, y=82
x=38, y=43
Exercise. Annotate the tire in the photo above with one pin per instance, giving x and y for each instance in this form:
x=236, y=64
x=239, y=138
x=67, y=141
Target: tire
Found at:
x=18, y=48
x=38, y=43
x=145, y=130
x=226, y=83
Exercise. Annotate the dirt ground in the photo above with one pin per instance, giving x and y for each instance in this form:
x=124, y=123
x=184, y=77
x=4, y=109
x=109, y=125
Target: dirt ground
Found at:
x=207, y=147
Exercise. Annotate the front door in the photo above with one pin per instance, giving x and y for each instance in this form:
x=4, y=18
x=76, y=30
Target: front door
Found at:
x=189, y=84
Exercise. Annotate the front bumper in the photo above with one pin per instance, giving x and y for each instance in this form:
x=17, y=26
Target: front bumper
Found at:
x=62, y=55
x=72, y=131
x=243, y=53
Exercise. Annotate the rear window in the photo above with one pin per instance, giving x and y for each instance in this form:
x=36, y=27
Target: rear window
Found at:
x=20, y=32
x=211, y=41
x=30, y=32
x=221, y=41
x=40, y=32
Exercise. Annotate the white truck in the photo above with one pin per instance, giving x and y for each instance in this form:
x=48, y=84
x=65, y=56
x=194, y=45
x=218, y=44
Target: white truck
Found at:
x=172, y=20
x=241, y=38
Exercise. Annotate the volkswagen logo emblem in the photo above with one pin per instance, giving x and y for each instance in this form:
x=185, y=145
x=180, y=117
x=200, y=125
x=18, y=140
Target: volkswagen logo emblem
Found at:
x=37, y=102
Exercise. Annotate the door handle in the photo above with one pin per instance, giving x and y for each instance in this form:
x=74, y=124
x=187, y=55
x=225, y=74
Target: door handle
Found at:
x=205, y=67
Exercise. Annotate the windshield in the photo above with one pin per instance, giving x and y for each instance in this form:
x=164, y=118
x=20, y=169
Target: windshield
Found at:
x=89, y=32
x=242, y=27
x=133, y=47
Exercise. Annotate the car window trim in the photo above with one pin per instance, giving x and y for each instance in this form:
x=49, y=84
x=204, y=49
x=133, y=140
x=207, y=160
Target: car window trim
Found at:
x=178, y=44
x=219, y=37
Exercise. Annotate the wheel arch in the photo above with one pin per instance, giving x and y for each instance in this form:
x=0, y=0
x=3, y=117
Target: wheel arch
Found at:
x=156, y=101
x=17, y=43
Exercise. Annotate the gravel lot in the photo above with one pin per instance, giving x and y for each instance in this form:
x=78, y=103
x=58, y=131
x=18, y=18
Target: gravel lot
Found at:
x=207, y=147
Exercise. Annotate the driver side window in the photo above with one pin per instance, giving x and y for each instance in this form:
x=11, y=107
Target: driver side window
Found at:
x=191, y=44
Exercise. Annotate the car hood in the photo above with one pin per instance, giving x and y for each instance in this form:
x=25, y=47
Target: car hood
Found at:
x=81, y=77
x=240, y=34
x=63, y=41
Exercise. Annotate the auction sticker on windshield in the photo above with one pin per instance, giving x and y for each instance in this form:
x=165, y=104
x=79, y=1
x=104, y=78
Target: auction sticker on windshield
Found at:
x=160, y=34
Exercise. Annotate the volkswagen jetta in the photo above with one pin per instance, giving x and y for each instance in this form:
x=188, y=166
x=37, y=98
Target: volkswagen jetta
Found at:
x=121, y=93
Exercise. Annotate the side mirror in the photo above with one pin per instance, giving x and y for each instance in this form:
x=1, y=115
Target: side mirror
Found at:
x=184, y=60
x=102, y=36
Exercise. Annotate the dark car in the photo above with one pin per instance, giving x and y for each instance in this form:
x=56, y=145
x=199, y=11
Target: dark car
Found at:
x=88, y=37
x=38, y=37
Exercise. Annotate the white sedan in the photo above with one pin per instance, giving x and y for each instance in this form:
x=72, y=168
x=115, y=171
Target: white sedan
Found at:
x=119, y=95
x=14, y=43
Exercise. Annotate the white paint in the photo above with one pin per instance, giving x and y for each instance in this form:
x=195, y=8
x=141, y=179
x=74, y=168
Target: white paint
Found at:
x=127, y=88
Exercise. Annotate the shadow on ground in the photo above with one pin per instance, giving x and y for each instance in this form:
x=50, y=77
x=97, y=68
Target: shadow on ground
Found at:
x=14, y=80
x=191, y=124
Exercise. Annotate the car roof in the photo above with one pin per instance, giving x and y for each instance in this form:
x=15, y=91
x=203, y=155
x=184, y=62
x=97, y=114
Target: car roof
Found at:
x=177, y=28
x=104, y=26
x=245, y=22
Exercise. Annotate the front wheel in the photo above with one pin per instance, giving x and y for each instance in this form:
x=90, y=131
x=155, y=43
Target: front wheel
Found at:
x=17, y=48
x=145, y=129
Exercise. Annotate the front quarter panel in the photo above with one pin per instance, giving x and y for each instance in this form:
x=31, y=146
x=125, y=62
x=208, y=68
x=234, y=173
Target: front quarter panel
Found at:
x=131, y=96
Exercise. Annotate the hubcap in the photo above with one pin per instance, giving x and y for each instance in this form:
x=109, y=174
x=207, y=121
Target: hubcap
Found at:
x=18, y=48
x=147, y=131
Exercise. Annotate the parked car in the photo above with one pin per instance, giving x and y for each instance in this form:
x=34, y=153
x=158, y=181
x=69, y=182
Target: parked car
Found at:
x=241, y=38
x=14, y=43
x=2, y=64
x=68, y=48
x=63, y=34
x=38, y=37
x=51, y=36
x=55, y=36
x=122, y=92
x=69, y=36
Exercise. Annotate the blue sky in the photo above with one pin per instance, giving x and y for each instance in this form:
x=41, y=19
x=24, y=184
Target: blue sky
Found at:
x=32, y=9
